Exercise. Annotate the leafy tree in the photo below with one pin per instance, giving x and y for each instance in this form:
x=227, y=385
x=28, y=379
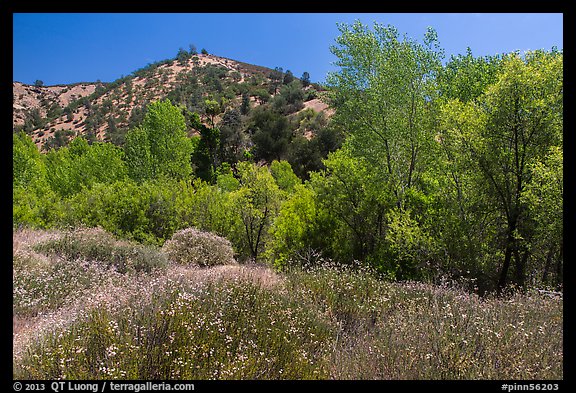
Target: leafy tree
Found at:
x=27, y=164
x=204, y=51
x=271, y=134
x=306, y=155
x=466, y=77
x=349, y=192
x=78, y=166
x=288, y=77
x=256, y=202
x=262, y=95
x=160, y=145
x=38, y=83
x=294, y=230
x=544, y=201
x=205, y=156
x=245, y=107
x=276, y=79
x=212, y=109
x=284, y=175
x=233, y=140
x=290, y=98
x=514, y=125
x=305, y=79
x=382, y=96
x=138, y=155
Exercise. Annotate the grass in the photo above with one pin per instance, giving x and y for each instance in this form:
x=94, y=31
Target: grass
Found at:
x=249, y=322
x=94, y=244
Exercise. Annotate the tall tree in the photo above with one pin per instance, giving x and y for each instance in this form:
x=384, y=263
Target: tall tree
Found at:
x=256, y=203
x=516, y=122
x=160, y=144
x=305, y=79
x=382, y=95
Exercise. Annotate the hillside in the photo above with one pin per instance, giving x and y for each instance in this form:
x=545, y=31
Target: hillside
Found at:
x=105, y=111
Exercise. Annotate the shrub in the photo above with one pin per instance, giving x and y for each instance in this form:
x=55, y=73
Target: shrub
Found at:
x=97, y=245
x=193, y=247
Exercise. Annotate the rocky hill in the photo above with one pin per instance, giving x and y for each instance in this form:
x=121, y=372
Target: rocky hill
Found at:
x=106, y=111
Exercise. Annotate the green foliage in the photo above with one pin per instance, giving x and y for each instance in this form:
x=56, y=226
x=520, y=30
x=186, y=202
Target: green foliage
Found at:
x=377, y=67
x=290, y=98
x=204, y=157
x=466, y=77
x=514, y=124
x=27, y=165
x=284, y=175
x=256, y=202
x=353, y=205
x=70, y=169
x=233, y=140
x=305, y=79
x=160, y=146
x=170, y=148
x=99, y=246
x=138, y=156
x=293, y=230
x=209, y=208
x=146, y=212
x=419, y=170
x=271, y=134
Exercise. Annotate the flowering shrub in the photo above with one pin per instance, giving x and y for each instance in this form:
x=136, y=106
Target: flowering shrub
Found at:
x=191, y=246
x=98, y=245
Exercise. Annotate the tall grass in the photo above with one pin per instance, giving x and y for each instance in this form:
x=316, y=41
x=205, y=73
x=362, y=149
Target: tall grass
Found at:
x=178, y=329
x=420, y=331
x=249, y=322
x=94, y=244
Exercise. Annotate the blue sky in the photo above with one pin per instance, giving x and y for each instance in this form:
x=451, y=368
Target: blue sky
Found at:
x=68, y=48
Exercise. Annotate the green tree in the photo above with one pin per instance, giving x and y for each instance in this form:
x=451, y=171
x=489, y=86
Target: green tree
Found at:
x=294, y=230
x=288, y=77
x=163, y=134
x=233, y=140
x=78, y=166
x=33, y=202
x=256, y=202
x=138, y=155
x=354, y=206
x=514, y=124
x=382, y=96
x=544, y=201
x=245, y=107
x=305, y=79
x=271, y=134
x=205, y=155
x=284, y=175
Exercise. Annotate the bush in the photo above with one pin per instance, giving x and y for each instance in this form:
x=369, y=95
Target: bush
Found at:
x=193, y=247
x=97, y=245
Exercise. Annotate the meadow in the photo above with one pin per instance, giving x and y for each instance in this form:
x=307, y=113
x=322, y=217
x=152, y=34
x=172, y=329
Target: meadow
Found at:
x=89, y=306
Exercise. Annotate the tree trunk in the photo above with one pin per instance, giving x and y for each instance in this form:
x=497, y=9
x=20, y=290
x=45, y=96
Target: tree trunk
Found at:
x=548, y=265
x=520, y=267
x=559, y=275
x=507, y=258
